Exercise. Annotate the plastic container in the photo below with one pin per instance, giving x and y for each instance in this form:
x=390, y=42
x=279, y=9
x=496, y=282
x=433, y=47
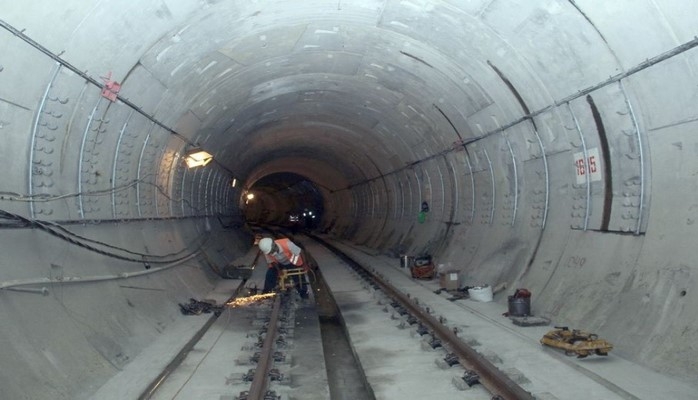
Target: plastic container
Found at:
x=519, y=306
x=481, y=293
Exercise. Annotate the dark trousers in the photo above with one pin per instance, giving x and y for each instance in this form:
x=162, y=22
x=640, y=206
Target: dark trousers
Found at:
x=271, y=279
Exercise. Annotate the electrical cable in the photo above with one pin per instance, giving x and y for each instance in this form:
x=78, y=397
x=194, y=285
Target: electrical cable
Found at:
x=57, y=226
x=71, y=238
x=45, y=197
x=56, y=57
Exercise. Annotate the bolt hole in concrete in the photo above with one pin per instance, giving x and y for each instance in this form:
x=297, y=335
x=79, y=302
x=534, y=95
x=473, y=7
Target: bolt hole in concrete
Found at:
x=683, y=293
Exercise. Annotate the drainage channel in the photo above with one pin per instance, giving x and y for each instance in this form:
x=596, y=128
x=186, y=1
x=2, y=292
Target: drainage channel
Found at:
x=346, y=378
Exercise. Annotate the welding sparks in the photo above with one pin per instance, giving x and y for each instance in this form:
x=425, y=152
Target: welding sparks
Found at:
x=243, y=301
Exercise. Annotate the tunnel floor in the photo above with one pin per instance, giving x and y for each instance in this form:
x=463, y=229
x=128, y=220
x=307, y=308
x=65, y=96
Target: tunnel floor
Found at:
x=395, y=360
x=345, y=377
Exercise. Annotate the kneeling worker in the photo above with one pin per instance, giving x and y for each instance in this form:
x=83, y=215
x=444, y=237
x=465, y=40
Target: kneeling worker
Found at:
x=288, y=255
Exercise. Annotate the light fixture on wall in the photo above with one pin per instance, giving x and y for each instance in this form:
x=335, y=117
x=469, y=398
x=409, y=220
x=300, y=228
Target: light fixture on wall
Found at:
x=233, y=182
x=197, y=157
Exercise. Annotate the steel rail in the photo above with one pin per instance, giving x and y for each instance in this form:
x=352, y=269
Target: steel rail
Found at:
x=261, y=373
x=494, y=380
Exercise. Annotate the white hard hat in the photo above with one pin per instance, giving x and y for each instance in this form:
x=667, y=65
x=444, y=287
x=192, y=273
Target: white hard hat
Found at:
x=265, y=245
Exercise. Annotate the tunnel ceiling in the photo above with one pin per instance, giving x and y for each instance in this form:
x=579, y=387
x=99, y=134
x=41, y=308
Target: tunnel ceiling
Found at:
x=282, y=181
x=363, y=87
x=344, y=92
x=350, y=95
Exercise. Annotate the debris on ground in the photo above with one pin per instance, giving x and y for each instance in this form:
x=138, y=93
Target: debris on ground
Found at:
x=576, y=341
x=482, y=293
x=196, y=307
x=530, y=320
x=456, y=294
x=448, y=279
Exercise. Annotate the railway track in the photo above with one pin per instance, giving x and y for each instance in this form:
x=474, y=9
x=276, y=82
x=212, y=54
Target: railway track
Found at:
x=395, y=345
x=264, y=380
x=477, y=368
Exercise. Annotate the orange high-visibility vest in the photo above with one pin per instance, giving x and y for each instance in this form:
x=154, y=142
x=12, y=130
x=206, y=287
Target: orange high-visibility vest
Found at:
x=295, y=259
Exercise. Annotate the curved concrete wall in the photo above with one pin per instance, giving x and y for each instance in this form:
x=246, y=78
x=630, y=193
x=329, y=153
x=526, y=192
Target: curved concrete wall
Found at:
x=552, y=141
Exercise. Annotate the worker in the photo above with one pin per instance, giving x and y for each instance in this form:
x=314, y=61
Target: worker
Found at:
x=282, y=253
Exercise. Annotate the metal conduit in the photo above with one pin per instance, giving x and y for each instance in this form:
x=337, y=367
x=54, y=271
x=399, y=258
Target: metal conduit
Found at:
x=547, y=178
x=115, y=163
x=181, y=190
x=35, y=129
x=443, y=193
x=641, y=152
x=82, y=157
x=586, y=167
x=455, y=191
x=138, y=171
x=89, y=279
x=494, y=188
x=472, y=188
x=516, y=180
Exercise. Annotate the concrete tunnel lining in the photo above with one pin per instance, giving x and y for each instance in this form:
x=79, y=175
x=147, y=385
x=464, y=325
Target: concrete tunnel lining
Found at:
x=486, y=109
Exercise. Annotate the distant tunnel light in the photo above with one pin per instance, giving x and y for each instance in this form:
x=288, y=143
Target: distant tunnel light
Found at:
x=234, y=182
x=248, y=197
x=197, y=158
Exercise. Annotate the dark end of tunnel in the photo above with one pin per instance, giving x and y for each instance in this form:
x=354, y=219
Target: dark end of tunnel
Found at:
x=285, y=199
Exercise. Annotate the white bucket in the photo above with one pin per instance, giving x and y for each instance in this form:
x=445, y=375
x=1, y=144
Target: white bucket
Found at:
x=481, y=293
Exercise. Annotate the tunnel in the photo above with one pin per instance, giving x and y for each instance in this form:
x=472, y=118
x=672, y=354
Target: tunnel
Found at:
x=541, y=144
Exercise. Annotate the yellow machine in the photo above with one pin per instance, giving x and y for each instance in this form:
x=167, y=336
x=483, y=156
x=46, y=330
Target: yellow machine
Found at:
x=576, y=342
x=285, y=277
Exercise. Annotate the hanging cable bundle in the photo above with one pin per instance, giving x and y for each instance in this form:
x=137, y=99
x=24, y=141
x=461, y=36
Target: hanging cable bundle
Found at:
x=60, y=232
